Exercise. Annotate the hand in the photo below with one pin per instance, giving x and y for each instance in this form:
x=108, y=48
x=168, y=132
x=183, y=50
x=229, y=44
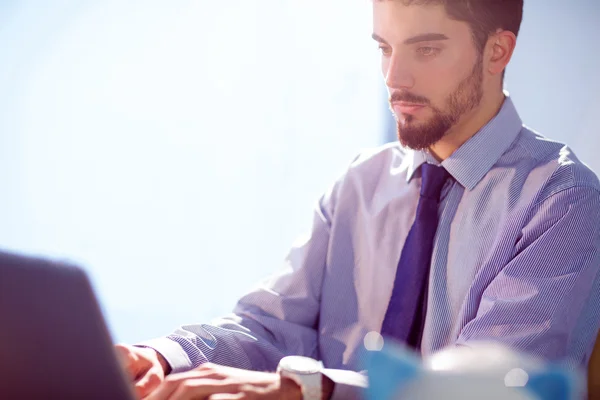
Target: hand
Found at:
x=146, y=367
x=217, y=382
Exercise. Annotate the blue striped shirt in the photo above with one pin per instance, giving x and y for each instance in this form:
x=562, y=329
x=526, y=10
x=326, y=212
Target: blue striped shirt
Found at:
x=516, y=259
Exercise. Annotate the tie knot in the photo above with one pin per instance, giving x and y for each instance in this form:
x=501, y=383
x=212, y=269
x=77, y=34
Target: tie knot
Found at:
x=432, y=180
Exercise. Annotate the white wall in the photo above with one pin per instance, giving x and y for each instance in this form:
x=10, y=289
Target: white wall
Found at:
x=177, y=148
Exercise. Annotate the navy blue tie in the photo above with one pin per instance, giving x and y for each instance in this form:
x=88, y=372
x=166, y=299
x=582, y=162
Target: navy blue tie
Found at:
x=405, y=316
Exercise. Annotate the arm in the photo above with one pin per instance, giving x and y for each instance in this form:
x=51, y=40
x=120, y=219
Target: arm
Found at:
x=545, y=300
x=276, y=319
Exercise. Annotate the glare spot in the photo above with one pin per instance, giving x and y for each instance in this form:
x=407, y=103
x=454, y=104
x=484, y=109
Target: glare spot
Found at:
x=373, y=341
x=516, y=378
x=301, y=240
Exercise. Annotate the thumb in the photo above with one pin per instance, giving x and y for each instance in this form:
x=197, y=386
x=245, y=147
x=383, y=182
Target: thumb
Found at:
x=227, y=396
x=148, y=382
x=129, y=359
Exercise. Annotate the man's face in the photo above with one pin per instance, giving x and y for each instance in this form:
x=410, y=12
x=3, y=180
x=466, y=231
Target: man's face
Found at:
x=432, y=68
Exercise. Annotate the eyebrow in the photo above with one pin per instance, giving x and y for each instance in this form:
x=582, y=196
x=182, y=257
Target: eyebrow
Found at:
x=378, y=38
x=425, y=37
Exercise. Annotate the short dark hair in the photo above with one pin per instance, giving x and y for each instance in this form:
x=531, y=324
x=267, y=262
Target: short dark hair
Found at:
x=483, y=16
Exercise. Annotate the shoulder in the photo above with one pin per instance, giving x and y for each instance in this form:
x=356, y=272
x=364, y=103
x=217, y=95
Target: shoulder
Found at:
x=557, y=164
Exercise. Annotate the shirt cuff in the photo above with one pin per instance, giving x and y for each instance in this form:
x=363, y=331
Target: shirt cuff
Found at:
x=349, y=385
x=172, y=352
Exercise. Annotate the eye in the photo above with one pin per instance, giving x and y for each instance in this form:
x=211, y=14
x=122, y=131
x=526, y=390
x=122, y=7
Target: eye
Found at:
x=385, y=50
x=427, y=51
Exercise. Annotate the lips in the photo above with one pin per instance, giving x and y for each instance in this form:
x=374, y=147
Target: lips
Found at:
x=401, y=107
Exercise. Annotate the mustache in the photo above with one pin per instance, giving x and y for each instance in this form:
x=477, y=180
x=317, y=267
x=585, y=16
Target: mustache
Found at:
x=408, y=97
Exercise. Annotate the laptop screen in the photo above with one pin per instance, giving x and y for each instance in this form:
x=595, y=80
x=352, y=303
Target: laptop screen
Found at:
x=54, y=342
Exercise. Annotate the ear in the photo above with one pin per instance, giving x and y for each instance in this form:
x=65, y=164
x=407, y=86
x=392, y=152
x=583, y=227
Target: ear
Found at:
x=389, y=370
x=552, y=384
x=501, y=47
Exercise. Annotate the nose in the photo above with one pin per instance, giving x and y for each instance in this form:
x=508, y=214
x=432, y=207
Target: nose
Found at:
x=397, y=74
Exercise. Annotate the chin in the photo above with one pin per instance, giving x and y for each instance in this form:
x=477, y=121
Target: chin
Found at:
x=411, y=124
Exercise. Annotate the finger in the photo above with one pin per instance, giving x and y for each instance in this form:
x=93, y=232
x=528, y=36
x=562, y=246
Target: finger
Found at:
x=148, y=382
x=169, y=385
x=227, y=396
x=207, y=365
x=202, y=388
x=183, y=382
x=133, y=360
x=162, y=392
x=193, y=374
x=125, y=355
x=204, y=373
x=247, y=392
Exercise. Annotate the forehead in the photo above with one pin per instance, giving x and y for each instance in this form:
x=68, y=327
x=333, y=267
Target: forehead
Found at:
x=395, y=21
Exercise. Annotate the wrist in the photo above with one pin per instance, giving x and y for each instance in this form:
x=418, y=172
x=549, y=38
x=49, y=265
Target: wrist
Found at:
x=290, y=390
x=166, y=367
x=327, y=387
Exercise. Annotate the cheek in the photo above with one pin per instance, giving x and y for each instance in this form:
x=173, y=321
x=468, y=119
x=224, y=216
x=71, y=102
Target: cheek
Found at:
x=437, y=79
x=433, y=86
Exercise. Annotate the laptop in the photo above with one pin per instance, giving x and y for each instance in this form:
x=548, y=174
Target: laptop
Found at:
x=54, y=343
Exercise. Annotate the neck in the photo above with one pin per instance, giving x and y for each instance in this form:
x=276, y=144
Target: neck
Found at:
x=468, y=126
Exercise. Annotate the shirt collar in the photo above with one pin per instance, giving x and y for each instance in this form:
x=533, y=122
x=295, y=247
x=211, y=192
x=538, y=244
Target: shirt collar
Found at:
x=476, y=157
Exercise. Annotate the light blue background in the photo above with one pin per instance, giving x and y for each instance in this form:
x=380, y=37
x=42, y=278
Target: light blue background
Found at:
x=176, y=148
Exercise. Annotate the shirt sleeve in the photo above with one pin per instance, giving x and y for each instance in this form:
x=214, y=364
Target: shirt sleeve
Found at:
x=546, y=300
x=277, y=319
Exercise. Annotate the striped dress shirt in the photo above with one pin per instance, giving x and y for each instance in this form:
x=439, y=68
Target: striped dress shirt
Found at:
x=516, y=259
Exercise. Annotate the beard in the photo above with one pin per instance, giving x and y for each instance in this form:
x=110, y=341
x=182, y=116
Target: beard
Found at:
x=464, y=98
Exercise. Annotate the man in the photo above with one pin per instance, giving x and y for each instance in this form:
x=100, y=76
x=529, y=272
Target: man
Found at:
x=473, y=228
